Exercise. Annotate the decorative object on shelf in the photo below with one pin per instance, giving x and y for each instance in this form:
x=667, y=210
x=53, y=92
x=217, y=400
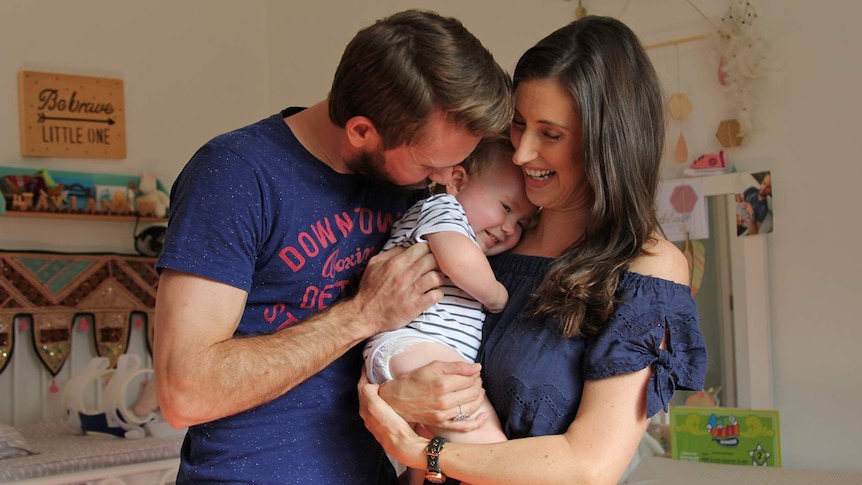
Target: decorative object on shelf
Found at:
x=23, y=192
x=150, y=200
x=61, y=192
x=115, y=199
x=54, y=291
x=707, y=164
x=62, y=115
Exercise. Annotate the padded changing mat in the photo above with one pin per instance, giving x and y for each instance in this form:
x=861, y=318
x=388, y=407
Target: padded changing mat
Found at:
x=61, y=449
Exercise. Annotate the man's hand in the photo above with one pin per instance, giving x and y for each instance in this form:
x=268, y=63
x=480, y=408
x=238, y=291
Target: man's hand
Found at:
x=396, y=287
x=203, y=373
x=431, y=395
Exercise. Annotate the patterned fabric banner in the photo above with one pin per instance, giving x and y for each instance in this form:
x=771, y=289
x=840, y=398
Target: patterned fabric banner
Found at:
x=7, y=339
x=54, y=290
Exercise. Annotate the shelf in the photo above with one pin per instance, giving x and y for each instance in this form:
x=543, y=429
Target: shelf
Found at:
x=90, y=192
x=94, y=217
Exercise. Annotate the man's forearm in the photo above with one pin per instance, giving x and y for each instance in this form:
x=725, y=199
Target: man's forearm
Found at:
x=241, y=373
x=204, y=373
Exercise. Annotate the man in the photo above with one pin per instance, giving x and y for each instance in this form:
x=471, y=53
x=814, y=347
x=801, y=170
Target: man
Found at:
x=258, y=311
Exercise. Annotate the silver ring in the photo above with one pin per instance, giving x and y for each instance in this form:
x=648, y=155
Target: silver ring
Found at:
x=461, y=416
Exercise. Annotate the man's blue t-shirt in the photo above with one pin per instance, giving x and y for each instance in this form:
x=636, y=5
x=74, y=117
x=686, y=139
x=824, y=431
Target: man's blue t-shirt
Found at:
x=255, y=210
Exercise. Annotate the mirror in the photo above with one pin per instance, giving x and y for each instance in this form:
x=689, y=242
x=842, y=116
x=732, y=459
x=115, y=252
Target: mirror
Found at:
x=733, y=301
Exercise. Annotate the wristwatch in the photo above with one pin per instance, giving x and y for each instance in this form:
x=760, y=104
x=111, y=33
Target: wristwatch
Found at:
x=434, y=475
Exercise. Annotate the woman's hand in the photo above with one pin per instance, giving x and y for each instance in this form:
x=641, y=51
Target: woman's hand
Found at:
x=391, y=430
x=434, y=394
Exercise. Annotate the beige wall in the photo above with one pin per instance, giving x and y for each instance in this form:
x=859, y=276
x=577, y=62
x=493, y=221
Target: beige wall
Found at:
x=195, y=68
x=190, y=70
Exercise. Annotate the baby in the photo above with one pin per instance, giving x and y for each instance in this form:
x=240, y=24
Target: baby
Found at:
x=482, y=213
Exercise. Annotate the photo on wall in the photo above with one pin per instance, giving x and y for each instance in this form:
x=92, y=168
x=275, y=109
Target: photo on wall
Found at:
x=754, y=205
x=682, y=210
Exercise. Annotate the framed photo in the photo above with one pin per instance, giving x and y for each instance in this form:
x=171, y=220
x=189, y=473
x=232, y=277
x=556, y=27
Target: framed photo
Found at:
x=754, y=205
x=115, y=199
x=682, y=209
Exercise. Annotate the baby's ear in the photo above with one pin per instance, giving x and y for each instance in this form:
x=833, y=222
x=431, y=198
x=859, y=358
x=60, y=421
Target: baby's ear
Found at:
x=459, y=179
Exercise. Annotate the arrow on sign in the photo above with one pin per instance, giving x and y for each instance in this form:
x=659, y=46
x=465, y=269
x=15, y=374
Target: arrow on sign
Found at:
x=43, y=118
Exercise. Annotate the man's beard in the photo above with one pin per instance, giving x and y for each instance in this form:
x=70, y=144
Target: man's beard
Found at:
x=372, y=165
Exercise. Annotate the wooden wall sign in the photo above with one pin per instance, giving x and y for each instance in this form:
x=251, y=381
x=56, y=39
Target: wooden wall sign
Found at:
x=62, y=115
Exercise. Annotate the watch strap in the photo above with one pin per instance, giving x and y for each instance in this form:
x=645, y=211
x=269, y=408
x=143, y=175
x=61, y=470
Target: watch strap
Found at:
x=435, y=446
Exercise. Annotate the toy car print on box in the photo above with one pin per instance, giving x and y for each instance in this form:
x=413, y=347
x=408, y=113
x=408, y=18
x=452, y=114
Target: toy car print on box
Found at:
x=731, y=436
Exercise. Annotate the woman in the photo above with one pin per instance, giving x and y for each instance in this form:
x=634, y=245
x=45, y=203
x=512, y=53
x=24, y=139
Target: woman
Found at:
x=601, y=326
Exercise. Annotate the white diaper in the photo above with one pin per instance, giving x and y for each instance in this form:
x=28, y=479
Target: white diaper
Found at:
x=388, y=345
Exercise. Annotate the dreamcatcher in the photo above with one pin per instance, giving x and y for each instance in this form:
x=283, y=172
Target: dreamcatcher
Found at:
x=742, y=60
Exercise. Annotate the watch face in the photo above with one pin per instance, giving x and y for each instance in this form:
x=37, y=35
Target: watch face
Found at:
x=435, y=477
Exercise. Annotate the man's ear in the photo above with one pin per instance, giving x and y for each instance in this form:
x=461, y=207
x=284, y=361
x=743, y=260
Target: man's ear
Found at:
x=362, y=134
x=460, y=177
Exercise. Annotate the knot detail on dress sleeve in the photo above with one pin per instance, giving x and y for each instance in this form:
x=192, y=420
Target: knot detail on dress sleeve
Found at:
x=664, y=383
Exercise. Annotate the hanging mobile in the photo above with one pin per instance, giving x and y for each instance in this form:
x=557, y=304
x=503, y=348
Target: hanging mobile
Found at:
x=580, y=11
x=680, y=108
